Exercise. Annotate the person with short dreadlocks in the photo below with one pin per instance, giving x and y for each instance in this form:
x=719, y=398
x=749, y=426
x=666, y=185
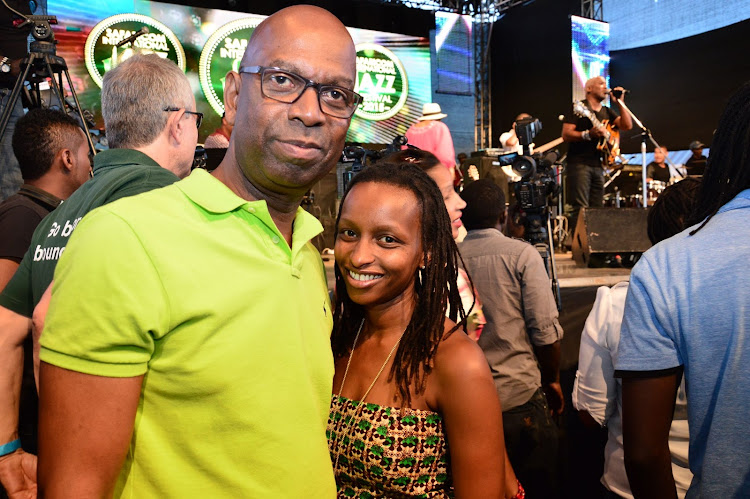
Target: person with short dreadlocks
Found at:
x=414, y=411
x=688, y=311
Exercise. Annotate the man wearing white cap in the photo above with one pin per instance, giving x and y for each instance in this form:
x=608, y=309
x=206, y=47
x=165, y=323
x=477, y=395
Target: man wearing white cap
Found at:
x=431, y=134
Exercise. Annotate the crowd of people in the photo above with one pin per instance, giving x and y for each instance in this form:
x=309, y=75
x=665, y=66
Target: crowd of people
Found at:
x=178, y=328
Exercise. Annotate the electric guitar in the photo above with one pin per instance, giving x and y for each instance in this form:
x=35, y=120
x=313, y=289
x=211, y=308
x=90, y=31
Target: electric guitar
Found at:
x=609, y=145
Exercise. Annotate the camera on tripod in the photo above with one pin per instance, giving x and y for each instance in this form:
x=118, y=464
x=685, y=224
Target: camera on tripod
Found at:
x=360, y=157
x=41, y=31
x=536, y=170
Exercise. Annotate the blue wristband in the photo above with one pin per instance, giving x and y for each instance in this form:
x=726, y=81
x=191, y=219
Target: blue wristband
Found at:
x=10, y=447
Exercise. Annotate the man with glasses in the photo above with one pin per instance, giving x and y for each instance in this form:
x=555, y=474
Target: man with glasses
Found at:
x=210, y=372
x=146, y=103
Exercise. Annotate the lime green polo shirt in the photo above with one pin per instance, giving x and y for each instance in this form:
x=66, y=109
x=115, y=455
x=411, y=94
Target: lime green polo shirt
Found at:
x=197, y=289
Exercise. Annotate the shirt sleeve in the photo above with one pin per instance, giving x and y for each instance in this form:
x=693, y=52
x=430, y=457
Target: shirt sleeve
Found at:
x=108, y=304
x=539, y=308
x=646, y=346
x=595, y=387
x=16, y=227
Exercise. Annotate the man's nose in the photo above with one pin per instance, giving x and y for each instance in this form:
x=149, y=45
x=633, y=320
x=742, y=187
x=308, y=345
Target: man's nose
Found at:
x=307, y=108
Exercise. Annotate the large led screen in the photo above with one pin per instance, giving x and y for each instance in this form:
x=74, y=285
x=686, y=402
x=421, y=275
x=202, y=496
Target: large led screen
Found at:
x=589, y=52
x=393, y=71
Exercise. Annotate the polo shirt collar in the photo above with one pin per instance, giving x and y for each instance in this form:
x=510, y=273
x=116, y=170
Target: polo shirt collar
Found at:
x=214, y=196
x=117, y=157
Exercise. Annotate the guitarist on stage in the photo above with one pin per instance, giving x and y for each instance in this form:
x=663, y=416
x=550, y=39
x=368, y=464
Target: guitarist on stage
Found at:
x=589, y=148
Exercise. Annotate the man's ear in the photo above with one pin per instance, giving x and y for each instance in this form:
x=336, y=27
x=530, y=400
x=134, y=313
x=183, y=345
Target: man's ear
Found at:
x=503, y=215
x=65, y=158
x=232, y=87
x=175, y=124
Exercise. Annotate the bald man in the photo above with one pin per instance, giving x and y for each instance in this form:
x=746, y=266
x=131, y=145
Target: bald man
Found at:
x=584, y=173
x=209, y=374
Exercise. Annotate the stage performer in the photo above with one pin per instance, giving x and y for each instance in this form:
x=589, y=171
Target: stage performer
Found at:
x=658, y=169
x=696, y=164
x=687, y=312
x=13, y=48
x=149, y=149
x=431, y=134
x=585, y=176
x=411, y=390
x=210, y=371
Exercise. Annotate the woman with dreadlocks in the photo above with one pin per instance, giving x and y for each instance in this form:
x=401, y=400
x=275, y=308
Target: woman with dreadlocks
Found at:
x=444, y=177
x=414, y=410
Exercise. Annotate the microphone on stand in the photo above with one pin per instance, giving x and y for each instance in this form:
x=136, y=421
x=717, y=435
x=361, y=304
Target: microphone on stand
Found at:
x=617, y=93
x=131, y=38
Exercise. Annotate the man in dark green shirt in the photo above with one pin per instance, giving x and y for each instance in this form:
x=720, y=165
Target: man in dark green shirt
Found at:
x=149, y=114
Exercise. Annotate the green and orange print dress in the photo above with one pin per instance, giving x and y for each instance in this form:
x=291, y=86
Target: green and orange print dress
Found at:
x=387, y=452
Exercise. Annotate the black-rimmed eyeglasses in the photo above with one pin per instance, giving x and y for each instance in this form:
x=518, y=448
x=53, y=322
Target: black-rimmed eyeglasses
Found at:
x=198, y=116
x=287, y=87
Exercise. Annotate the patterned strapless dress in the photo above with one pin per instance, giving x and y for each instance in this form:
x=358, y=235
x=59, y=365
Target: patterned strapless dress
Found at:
x=387, y=452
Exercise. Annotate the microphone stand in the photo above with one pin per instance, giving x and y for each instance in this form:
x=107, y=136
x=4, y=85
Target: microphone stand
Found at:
x=645, y=134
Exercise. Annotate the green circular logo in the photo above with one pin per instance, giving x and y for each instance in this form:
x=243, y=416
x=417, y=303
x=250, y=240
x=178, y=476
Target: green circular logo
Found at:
x=222, y=53
x=381, y=81
x=101, y=52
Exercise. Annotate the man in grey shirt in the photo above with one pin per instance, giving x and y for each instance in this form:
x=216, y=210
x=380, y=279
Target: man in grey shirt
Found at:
x=521, y=338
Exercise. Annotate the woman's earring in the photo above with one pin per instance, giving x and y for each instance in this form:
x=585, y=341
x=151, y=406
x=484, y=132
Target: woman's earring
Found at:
x=420, y=276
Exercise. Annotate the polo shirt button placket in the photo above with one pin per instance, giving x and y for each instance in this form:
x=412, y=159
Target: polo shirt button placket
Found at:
x=275, y=239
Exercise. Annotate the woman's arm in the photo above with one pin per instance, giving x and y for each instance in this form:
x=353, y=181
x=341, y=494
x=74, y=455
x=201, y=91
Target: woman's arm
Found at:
x=462, y=386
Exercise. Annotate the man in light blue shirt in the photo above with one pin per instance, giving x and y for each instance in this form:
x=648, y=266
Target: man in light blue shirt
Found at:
x=688, y=308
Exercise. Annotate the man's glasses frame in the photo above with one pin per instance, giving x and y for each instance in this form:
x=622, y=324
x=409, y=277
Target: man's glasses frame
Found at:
x=352, y=97
x=198, y=116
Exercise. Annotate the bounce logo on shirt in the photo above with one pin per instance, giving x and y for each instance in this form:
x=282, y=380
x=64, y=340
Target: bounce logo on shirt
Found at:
x=222, y=53
x=381, y=81
x=102, y=53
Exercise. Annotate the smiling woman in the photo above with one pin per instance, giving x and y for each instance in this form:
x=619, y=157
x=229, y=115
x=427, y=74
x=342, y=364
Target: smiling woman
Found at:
x=414, y=410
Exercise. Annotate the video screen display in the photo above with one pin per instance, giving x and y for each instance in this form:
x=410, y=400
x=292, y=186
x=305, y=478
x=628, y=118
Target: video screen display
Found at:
x=454, y=52
x=589, y=52
x=393, y=70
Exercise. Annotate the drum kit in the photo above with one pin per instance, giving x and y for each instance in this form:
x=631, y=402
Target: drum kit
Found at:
x=623, y=187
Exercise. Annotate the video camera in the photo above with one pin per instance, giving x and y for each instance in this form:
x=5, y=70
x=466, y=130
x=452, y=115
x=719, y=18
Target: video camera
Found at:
x=361, y=157
x=536, y=170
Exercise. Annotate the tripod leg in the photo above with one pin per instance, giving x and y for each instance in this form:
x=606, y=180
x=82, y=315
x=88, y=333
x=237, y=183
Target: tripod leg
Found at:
x=14, y=94
x=80, y=112
x=56, y=87
x=555, y=282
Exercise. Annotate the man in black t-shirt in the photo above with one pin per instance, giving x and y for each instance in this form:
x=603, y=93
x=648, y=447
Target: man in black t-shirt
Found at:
x=658, y=168
x=585, y=177
x=696, y=165
x=13, y=48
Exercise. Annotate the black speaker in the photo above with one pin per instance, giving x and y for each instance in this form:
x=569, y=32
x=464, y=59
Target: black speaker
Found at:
x=604, y=234
x=487, y=167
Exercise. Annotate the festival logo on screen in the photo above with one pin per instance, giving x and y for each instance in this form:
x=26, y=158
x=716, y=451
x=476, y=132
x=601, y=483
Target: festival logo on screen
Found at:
x=102, y=53
x=381, y=81
x=222, y=53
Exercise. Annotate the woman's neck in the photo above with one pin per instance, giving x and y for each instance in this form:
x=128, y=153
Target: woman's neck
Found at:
x=389, y=319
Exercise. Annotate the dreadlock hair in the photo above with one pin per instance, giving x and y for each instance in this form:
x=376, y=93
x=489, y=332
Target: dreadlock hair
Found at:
x=438, y=291
x=671, y=209
x=427, y=162
x=728, y=167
